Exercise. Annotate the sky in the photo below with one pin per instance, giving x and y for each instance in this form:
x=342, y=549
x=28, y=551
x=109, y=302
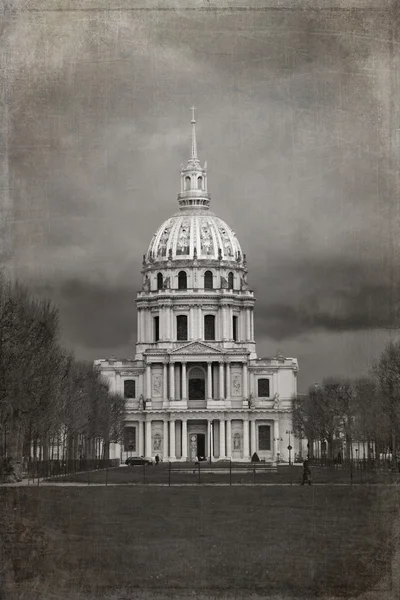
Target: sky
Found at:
x=298, y=119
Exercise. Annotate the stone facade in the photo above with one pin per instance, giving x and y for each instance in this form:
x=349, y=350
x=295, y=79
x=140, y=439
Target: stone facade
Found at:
x=196, y=386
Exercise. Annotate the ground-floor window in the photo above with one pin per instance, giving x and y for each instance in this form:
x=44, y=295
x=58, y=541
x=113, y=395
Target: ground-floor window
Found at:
x=130, y=439
x=264, y=437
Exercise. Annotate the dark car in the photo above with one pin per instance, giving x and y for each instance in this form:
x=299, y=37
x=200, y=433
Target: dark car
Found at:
x=134, y=461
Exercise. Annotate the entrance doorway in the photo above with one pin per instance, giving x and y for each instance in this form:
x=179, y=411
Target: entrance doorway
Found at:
x=201, y=445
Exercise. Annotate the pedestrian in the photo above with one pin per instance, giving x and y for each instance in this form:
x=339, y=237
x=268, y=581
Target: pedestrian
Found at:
x=157, y=459
x=306, y=473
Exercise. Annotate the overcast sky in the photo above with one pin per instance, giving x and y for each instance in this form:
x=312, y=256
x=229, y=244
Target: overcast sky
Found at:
x=298, y=120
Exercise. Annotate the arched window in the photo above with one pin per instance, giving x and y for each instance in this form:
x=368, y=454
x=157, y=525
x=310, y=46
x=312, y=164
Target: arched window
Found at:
x=156, y=322
x=159, y=281
x=129, y=388
x=182, y=280
x=208, y=280
x=235, y=328
x=187, y=182
x=199, y=183
x=230, y=281
x=181, y=328
x=209, y=327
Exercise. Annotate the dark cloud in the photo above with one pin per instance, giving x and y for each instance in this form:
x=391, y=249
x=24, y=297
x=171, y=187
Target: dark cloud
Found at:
x=298, y=112
x=94, y=315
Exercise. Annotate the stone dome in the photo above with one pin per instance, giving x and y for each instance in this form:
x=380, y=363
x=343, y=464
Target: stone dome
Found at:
x=194, y=233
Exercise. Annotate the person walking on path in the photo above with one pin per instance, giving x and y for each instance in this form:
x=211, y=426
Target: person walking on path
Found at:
x=306, y=473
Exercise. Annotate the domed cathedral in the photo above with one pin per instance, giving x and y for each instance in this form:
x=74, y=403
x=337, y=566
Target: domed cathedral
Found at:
x=196, y=387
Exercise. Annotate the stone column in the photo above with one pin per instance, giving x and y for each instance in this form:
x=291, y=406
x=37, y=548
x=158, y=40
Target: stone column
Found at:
x=251, y=325
x=141, y=439
x=223, y=323
x=165, y=382
x=166, y=325
x=229, y=438
x=172, y=381
x=184, y=440
x=200, y=333
x=184, y=382
x=172, y=439
x=148, y=381
x=209, y=440
x=139, y=325
x=276, y=436
x=245, y=439
x=172, y=332
x=228, y=381
x=248, y=325
x=245, y=381
x=148, y=438
x=253, y=437
x=165, y=440
x=209, y=381
x=221, y=380
x=191, y=331
x=222, y=438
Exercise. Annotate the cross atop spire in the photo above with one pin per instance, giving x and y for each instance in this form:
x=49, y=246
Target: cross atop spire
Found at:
x=194, y=142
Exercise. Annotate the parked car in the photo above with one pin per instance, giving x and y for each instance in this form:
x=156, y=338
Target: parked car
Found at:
x=134, y=461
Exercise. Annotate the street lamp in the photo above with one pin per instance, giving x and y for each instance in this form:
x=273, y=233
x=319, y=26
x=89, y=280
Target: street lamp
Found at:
x=278, y=453
x=289, y=432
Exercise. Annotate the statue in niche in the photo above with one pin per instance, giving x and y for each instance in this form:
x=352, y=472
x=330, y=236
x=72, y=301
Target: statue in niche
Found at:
x=170, y=254
x=146, y=284
x=141, y=402
x=251, y=401
x=243, y=282
x=236, y=441
x=277, y=402
x=166, y=284
x=224, y=282
x=219, y=254
x=236, y=384
x=157, y=443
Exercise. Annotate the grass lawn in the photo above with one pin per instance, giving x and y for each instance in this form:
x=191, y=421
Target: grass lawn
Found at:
x=165, y=542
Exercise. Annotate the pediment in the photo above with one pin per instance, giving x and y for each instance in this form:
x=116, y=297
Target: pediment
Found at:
x=196, y=348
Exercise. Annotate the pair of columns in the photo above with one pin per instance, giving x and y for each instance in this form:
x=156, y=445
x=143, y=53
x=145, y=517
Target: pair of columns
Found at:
x=223, y=393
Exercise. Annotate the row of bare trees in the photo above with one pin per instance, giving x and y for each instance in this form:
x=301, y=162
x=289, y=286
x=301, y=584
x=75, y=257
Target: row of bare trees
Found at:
x=364, y=410
x=48, y=399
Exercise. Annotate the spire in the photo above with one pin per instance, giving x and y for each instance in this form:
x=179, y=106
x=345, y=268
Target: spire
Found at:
x=194, y=177
x=194, y=143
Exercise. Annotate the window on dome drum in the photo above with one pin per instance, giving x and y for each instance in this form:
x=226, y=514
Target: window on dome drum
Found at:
x=235, y=329
x=230, y=281
x=181, y=328
x=187, y=183
x=264, y=437
x=182, y=280
x=129, y=439
x=159, y=281
x=129, y=388
x=208, y=280
x=209, y=327
x=263, y=388
x=199, y=183
x=156, y=322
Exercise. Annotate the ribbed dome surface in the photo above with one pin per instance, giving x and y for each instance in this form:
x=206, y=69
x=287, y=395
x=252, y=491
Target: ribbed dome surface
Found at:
x=194, y=234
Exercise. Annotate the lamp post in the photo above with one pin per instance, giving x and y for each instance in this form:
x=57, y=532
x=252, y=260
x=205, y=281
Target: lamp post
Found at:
x=289, y=432
x=278, y=452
